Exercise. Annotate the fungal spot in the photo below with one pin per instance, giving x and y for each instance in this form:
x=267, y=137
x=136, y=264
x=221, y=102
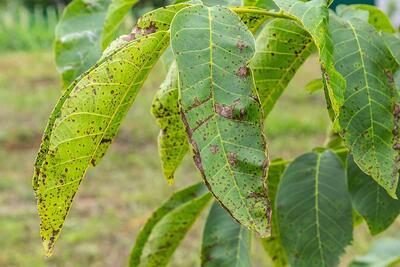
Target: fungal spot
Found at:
x=389, y=76
x=243, y=72
x=232, y=158
x=224, y=110
x=241, y=45
x=150, y=29
x=214, y=149
x=105, y=140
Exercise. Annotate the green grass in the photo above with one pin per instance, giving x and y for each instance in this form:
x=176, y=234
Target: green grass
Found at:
x=116, y=197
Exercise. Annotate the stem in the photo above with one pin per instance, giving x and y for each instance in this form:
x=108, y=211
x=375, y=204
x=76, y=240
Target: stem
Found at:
x=260, y=11
x=285, y=162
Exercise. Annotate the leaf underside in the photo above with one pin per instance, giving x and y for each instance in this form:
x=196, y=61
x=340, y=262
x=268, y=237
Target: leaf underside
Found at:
x=282, y=47
x=167, y=226
x=222, y=117
x=225, y=242
x=314, y=210
x=172, y=140
x=368, y=115
x=88, y=115
x=370, y=200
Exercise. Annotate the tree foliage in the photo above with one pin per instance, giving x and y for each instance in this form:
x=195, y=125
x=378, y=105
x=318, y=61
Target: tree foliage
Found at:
x=228, y=64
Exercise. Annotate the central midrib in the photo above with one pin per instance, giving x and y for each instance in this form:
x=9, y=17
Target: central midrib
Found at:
x=217, y=126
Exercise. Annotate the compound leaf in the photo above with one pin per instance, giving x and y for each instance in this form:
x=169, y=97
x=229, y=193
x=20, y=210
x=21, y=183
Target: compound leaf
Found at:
x=368, y=117
x=115, y=15
x=314, y=210
x=221, y=115
x=225, y=242
x=172, y=140
x=281, y=48
x=77, y=37
x=370, y=200
x=167, y=226
x=86, y=119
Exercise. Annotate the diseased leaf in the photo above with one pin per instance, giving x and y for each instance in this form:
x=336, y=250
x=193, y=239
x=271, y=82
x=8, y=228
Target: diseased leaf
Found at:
x=253, y=20
x=273, y=244
x=314, y=17
x=167, y=226
x=225, y=242
x=372, y=202
x=314, y=210
x=369, y=115
x=86, y=119
x=383, y=253
x=77, y=45
x=222, y=116
x=115, y=15
x=281, y=48
x=172, y=140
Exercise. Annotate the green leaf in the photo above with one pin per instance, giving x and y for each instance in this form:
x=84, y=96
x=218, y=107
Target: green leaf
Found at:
x=314, y=210
x=383, y=253
x=221, y=115
x=77, y=45
x=314, y=17
x=376, y=18
x=86, y=119
x=273, y=244
x=372, y=202
x=315, y=85
x=225, y=242
x=282, y=47
x=167, y=226
x=366, y=117
x=115, y=14
x=172, y=140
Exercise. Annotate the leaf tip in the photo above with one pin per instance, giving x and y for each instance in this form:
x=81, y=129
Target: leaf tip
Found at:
x=48, y=247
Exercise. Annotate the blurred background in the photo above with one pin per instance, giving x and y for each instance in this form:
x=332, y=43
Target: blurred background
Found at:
x=116, y=198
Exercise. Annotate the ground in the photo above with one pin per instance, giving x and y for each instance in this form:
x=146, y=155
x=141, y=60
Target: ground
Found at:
x=117, y=196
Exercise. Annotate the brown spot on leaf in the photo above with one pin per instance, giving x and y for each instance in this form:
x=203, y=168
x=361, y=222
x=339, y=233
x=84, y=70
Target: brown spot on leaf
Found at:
x=389, y=75
x=241, y=45
x=214, y=149
x=243, y=72
x=128, y=37
x=150, y=29
x=224, y=110
x=232, y=158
